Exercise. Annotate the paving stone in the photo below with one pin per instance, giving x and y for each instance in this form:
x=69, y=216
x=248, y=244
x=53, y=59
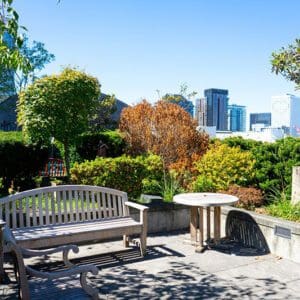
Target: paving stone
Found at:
x=172, y=270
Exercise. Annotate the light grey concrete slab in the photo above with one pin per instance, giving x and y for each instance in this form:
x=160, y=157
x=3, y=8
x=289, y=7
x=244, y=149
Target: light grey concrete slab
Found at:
x=173, y=270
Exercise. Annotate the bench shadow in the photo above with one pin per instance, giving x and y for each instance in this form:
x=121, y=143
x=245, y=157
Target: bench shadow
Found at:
x=113, y=259
x=243, y=236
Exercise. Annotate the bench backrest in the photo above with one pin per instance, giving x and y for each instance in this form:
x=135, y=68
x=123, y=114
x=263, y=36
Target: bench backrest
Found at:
x=61, y=204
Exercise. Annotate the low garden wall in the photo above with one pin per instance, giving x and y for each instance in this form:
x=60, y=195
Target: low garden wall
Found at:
x=270, y=234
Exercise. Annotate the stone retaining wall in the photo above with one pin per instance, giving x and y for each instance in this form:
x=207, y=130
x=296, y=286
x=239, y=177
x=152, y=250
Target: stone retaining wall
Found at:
x=281, y=237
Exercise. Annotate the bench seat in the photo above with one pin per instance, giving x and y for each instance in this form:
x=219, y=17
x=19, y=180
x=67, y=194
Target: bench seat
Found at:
x=54, y=235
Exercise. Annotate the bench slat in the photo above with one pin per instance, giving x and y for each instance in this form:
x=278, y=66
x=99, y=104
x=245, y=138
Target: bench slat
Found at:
x=94, y=206
x=70, y=198
x=40, y=208
x=88, y=209
x=14, y=215
x=47, y=209
x=27, y=212
x=65, y=207
x=104, y=209
x=58, y=200
x=99, y=206
x=61, y=204
x=33, y=200
x=20, y=212
x=53, y=213
x=109, y=205
x=82, y=205
x=76, y=206
x=72, y=228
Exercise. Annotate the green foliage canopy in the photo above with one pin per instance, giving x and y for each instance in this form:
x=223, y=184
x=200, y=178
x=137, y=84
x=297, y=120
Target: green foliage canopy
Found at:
x=133, y=175
x=287, y=62
x=58, y=106
x=11, y=57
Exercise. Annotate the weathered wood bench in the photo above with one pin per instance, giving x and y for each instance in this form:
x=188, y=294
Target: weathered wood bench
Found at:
x=53, y=216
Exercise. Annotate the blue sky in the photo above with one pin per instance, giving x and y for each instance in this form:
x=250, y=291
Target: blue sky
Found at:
x=136, y=47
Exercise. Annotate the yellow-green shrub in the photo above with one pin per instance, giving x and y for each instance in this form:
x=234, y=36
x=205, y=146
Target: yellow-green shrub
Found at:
x=222, y=166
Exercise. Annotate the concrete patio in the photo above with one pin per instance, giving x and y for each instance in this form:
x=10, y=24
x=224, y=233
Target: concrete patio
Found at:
x=172, y=270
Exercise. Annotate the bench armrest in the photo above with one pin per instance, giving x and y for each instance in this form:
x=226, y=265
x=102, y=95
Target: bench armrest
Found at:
x=136, y=205
x=142, y=208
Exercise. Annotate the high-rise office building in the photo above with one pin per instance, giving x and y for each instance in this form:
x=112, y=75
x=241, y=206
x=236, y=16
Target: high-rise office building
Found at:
x=236, y=117
x=285, y=113
x=263, y=119
x=217, y=106
x=201, y=111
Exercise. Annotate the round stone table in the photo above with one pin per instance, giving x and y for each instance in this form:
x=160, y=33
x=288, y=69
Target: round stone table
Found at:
x=197, y=201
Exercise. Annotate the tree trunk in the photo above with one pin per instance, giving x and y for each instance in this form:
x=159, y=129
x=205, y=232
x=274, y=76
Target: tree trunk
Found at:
x=67, y=158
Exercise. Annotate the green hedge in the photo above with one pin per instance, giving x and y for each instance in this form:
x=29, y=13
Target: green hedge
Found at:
x=19, y=162
x=273, y=162
x=87, y=144
x=132, y=175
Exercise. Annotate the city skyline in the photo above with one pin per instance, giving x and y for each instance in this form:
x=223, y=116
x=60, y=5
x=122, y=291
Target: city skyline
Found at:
x=136, y=48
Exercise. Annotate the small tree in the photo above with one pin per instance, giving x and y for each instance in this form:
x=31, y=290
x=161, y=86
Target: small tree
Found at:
x=10, y=57
x=287, y=62
x=58, y=106
x=164, y=129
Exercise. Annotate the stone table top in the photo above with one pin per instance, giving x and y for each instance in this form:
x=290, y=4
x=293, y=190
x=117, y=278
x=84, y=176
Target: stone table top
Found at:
x=205, y=199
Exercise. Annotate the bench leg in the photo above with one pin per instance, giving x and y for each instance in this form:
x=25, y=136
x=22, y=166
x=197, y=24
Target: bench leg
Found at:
x=93, y=292
x=143, y=243
x=126, y=241
x=143, y=236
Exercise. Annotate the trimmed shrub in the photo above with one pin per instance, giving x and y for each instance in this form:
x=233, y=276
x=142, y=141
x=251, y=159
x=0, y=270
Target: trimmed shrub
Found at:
x=19, y=163
x=249, y=197
x=11, y=136
x=222, y=166
x=87, y=144
x=132, y=175
x=273, y=162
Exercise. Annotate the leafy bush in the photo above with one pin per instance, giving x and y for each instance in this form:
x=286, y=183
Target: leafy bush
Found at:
x=123, y=173
x=284, y=209
x=87, y=144
x=19, y=163
x=222, y=166
x=274, y=162
x=8, y=136
x=203, y=184
x=249, y=197
x=243, y=144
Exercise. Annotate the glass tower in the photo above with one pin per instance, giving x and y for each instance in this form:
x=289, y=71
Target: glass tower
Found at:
x=237, y=117
x=260, y=118
x=217, y=106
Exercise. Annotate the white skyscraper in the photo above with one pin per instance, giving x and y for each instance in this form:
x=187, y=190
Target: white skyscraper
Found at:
x=286, y=114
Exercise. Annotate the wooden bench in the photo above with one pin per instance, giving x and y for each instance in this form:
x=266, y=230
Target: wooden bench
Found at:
x=68, y=214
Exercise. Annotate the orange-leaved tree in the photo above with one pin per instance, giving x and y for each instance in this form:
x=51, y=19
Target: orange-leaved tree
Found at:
x=164, y=129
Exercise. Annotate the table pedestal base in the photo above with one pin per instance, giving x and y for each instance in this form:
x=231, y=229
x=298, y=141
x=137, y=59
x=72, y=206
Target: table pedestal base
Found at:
x=197, y=228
